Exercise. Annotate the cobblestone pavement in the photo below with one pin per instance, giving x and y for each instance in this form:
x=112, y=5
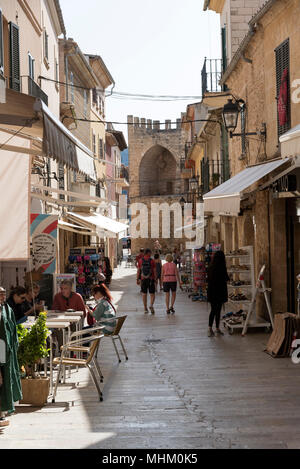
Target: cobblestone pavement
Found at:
x=179, y=388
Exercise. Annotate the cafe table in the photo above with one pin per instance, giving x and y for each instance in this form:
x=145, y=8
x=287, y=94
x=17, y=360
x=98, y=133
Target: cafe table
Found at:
x=58, y=325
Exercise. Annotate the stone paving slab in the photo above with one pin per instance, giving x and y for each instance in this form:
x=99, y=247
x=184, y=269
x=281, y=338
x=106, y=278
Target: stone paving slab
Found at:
x=179, y=388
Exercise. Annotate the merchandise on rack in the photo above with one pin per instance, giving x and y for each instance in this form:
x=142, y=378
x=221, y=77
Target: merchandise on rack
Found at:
x=242, y=291
x=87, y=268
x=185, y=271
x=201, y=260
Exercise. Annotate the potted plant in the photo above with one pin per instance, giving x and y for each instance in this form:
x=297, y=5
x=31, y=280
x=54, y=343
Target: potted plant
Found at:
x=32, y=348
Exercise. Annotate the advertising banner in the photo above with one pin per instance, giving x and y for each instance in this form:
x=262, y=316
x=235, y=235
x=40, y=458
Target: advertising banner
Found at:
x=44, y=242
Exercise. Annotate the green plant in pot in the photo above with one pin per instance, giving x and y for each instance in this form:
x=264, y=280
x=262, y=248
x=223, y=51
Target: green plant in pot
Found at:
x=32, y=346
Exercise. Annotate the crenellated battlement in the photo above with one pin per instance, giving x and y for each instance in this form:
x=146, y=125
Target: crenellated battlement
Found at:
x=152, y=125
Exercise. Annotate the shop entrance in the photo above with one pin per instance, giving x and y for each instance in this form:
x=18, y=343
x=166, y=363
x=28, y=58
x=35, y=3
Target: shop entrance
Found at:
x=293, y=252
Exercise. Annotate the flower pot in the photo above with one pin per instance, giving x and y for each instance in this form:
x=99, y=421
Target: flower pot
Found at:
x=35, y=391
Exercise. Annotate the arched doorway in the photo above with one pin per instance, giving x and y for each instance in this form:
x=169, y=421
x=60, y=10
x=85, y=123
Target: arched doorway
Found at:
x=157, y=173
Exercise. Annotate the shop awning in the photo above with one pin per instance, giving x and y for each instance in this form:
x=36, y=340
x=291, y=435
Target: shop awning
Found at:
x=226, y=198
x=25, y=114
x=75, y=228
x=100, y=222
x=290, y=142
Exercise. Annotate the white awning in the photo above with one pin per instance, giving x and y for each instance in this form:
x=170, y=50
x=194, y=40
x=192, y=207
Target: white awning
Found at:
x=53, y=131
x=226, y=198
x=75, y=228
x=15, y=206
x=290, y=142
x=102, y=224
x=48, y=135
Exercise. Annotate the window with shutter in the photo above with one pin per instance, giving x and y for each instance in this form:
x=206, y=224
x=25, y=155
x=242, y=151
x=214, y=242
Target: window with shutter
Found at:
x=46, y=45
x=1, y=44
x=94, y=144
x=31, y=66
x=282, y=57
x=15, y=83
x=61, y=179
x=101, y=149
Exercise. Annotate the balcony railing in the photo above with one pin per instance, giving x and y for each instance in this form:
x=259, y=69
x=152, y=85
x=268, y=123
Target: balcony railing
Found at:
x=211, y=75
x=36, y=91
x=122, y=173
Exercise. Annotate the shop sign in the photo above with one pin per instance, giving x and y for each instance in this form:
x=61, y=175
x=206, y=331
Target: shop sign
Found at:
x=287, y=183
x=90, y=251
x=58, y=278
x=44, y=242
x=75, y=252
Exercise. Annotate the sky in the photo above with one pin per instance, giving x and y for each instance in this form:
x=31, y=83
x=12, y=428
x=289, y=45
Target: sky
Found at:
x=149, y=47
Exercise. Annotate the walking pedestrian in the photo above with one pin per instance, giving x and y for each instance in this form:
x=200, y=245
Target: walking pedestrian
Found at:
x=146, y=276
x=217, y=292
x=170, y=278
x=158, y=266
x=139, y=257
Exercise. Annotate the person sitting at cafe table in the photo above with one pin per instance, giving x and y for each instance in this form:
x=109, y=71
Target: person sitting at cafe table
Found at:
x=20, y=306
x=68, y=299
x=32, y=297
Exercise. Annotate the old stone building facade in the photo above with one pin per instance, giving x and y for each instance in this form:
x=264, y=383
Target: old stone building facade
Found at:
x=155, y=174
x=267, y=220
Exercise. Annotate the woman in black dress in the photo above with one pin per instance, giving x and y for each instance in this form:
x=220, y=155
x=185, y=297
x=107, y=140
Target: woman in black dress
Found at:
x=217, y=293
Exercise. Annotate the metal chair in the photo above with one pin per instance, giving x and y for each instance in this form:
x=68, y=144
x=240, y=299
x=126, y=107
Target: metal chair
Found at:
x=90, y=362
x=116, y=335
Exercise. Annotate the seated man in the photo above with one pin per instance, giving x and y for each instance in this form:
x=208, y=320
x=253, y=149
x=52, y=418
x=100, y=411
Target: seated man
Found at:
x=68, y=299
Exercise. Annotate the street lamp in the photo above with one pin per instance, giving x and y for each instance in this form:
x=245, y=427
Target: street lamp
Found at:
x=193, y=184
x=230, y=115
x=182, y=202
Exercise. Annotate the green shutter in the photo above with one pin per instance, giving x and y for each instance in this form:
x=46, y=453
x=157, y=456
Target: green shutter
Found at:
x=15, y=83
x=224, y=50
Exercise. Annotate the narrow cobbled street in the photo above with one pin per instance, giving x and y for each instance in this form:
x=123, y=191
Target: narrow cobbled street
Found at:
x=179, y=388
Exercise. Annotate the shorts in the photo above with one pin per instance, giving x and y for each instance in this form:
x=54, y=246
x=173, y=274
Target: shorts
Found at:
x=147, y=284
x=170, y=286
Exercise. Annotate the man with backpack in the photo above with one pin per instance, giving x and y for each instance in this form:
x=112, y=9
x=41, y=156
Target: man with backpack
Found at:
x=146, y=276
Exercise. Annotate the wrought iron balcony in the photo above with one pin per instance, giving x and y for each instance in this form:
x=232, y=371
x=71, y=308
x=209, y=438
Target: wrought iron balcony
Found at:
x=122, y=173
x=36, y=91
x=211, y=75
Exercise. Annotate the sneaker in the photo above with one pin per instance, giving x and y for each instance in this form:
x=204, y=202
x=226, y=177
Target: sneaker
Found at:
x=4, y=422
x=146, y=311
x=219, y=332
x=152, y=310
x=210, y=332
x=172, y=310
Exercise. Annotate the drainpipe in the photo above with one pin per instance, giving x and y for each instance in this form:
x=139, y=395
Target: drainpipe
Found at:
x=111, y=91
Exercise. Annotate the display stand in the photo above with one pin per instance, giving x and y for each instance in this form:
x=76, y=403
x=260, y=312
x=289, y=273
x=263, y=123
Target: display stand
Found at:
x=185, y=272
x=201, y=258
x=243, y=292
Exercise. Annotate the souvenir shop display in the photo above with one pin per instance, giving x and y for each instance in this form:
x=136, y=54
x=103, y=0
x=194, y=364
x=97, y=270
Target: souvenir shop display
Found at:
x=185, y=271
x=201, y=260
x=86, y=265
x=243, y=291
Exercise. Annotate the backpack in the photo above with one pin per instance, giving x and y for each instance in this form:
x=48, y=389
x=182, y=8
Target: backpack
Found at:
x=146, y=268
